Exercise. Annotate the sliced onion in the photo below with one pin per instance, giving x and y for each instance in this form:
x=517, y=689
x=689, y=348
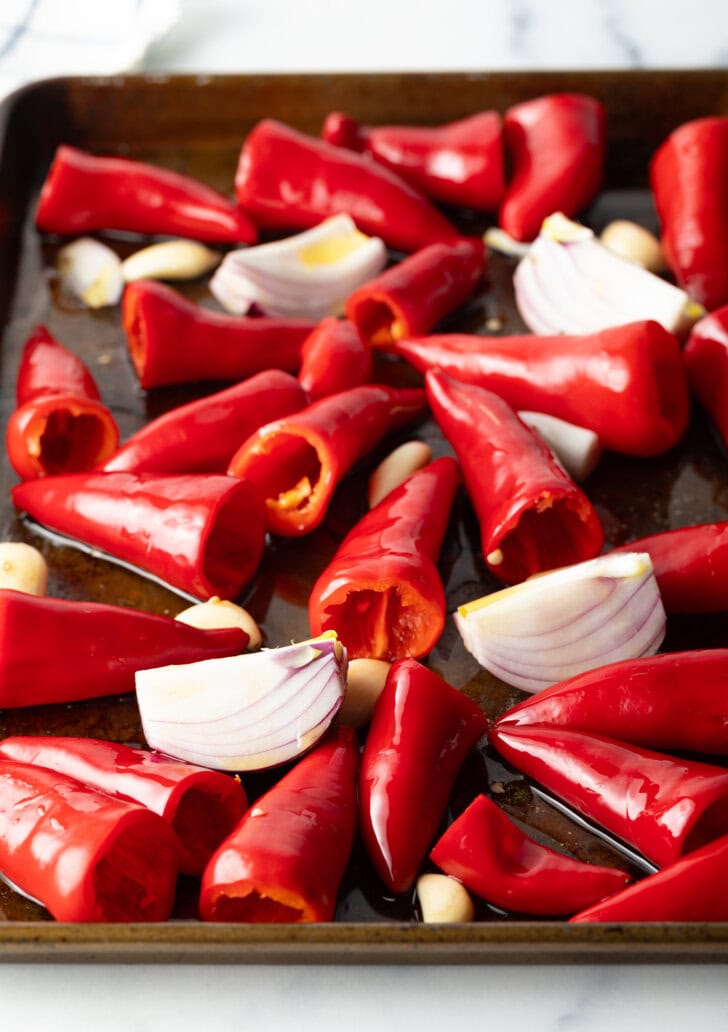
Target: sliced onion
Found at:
x=576, y=448
x=559, y=624
x=244, y=712
x=91, y=271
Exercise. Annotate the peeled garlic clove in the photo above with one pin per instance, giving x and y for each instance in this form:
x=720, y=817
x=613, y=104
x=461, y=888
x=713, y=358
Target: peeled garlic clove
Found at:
x=23, y=568
x=170, y=260
x=443, y=899
x=364, y=684
x=217, y=613
x=577, y=449
x=394, y=470
x=635, y=244
x=90, y=271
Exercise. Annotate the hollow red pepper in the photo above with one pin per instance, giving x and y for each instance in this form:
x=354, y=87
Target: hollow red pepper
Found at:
x=333, y=358
x=86, y=192
x=286, y=858
x=688, y=175
x=173, y=340
x=460, y=163
x=381, y=592
x=492, y=857
x=421, y=731
x=532, y=516
x=661, y=805
x=84, y=855
x=626, y=383
x=202, y=806
x=287, y=180
x=410, y=298
x=201, y=437
x=556, y=145
x=202, y=533
x=297, y=462
x=60, y=425
x=706, y=361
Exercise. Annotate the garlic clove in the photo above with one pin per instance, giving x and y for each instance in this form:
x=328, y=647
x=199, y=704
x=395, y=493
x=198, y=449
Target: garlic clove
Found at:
x=23, y=568
x=217, y=613
x=635, y=244
x=90, y=271
x=170, y=260
x=394, y=470
x=576, y=448
x=365, y=681
x=443, y=900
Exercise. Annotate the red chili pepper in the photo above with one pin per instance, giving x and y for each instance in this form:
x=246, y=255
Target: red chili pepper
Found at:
x=532, y=516
x=202, y=533
x=52, y=650
x=202, y=806
x=497, y=861
x=82, y=854
x=286, y=858
x=461, y=163
x=413, y=296
x=84, y=192
x=421, y=732
x=688, y=176
x=173, y=340
x=202, y=436
x=297, y=462
x=556, y=145
x=334, y=358
x=659, y=804
x=287, y=180
x=706, y=361
x=626, y=383
x=381, y=592
x=60, y=425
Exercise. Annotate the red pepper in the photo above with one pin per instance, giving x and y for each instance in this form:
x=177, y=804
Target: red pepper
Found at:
x=492, y=857
x=532, y=516
x=52, y=650
x=421, y=732
x=688, y=176
x=60, y=425
x=82, y=854
x=84, y=192
x=286, y=859
x=706, y=361
x=661, y=805
x=626, y=383
x=173, y=340
x=202, y=436
x=334, y=358
x=287, y=180
x=201, y=533
x=461, y=163
x=202, y=806
x=297, y=462
x=413, y=296
x=556, y=145
x=381, y=592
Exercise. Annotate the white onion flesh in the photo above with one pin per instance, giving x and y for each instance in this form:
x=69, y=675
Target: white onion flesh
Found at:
x=91, y=271
x=576, y=448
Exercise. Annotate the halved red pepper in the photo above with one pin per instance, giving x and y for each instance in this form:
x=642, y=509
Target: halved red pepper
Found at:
x=84, y=855
x=421, y=732
x=626, y=383
x=173, y=340
x=492, y=857
x=297, y=462
x=532, y=516
x=287, y=180
x=411, y=297
x=202, y=533
x=87, y=192
x=460, y=163
x=381, y=592
x=333, y=358
x=202, y=806
x=706, y=361
x=286, y=858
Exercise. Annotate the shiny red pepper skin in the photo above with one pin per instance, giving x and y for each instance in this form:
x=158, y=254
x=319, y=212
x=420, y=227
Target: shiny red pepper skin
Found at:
x=84, y=192
x=297, y=462
x=661, y=805
x=411, y=297
x=201, y=437
x=627, y=383
x=47, y=367
x=556, y=145
x=492, y=857
x=202, y=806
x=286, y=858
x=460, y=163
x=52, y=650
x=83, y=854
x=688, y=175
x=333, y=358
x=706, y=361
x=287, y=180
x=202, y=533
x=532, y=516
x=172, y=340
x=381, y=592
x=421, y=732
